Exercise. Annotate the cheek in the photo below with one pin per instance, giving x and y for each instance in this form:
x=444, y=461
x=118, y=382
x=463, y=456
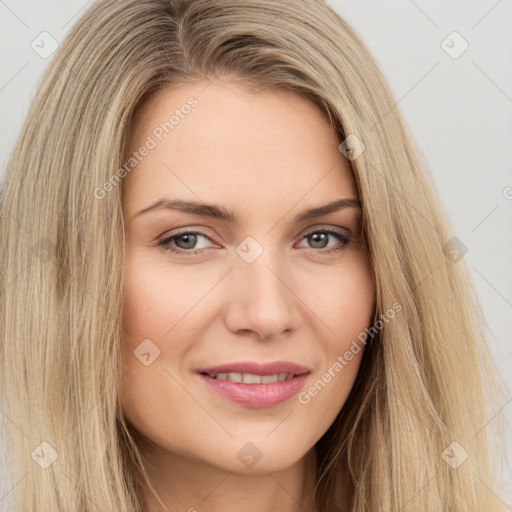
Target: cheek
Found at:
x=142, y=308
x=345, y=307
x=152, y=310
x=345, y=304
x=155, y=298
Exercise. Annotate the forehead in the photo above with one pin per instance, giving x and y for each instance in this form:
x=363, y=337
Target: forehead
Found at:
x=222, y=142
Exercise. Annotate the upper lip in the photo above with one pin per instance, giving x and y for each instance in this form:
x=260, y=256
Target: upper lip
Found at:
x=257, y=368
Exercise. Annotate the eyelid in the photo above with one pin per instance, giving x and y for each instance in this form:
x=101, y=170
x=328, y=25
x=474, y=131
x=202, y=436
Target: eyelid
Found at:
x=187, y=229
x=326, y=227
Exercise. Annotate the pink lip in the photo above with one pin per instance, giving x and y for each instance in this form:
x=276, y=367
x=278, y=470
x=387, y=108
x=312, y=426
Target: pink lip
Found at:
x=257, y=395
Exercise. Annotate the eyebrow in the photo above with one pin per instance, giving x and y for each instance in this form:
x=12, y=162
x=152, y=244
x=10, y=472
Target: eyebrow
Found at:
x=218, y=212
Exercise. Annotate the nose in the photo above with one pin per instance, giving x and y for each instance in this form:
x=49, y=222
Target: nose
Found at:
x=264, y=302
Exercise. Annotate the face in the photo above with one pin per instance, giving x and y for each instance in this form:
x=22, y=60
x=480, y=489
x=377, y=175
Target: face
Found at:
x=228, y=279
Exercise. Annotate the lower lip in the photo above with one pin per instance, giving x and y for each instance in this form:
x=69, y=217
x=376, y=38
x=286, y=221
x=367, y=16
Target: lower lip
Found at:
x=256, y=395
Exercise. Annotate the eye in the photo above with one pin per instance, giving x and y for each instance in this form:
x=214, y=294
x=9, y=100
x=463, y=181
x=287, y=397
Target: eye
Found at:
x=185, y=242
x=319, y=239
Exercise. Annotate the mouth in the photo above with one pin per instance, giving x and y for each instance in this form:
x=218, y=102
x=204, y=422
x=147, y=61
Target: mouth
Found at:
x=256, y=385
x=251, y=378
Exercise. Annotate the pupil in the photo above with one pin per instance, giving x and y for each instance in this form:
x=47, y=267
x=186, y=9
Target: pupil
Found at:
x=190, y=238
x=315, y=237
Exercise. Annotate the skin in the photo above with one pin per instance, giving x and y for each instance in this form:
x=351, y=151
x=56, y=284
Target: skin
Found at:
x=267, y=157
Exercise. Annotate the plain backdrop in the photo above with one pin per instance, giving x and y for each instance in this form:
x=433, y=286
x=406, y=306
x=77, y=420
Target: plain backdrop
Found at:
x=449, y=64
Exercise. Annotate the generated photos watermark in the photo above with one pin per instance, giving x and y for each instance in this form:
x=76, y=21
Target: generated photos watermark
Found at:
x=151, y=142
x=342, y=360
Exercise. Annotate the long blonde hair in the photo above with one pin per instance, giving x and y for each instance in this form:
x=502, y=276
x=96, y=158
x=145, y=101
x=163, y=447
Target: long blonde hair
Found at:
x=426, y=380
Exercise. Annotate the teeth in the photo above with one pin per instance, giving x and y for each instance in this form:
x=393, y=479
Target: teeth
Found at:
x=249, y=378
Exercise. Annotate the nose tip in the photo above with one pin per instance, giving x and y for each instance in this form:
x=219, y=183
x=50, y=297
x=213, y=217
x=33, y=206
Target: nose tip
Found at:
x=263, y=302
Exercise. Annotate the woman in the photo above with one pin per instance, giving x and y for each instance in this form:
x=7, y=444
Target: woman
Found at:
x=239, y=274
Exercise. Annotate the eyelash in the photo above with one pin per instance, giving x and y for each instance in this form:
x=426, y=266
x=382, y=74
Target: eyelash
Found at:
x=165, y=243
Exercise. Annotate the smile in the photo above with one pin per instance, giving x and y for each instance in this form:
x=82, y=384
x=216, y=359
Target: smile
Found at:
x=253, y=384
x=250, y=378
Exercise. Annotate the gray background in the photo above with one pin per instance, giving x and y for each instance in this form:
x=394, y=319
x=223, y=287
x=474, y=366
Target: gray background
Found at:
x=459, y=109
